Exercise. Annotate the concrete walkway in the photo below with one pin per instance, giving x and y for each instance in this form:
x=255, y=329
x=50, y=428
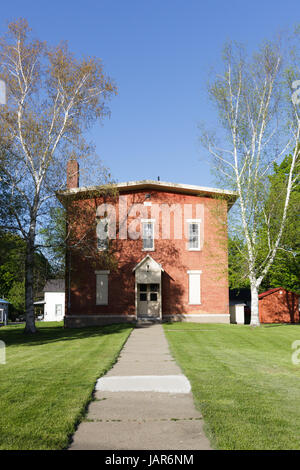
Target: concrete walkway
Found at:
x=143, y=402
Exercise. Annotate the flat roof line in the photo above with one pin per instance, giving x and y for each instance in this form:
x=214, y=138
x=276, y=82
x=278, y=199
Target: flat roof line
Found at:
x=150, y=183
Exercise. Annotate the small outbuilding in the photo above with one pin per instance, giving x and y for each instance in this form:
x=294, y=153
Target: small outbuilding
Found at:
x=278, y=306
x=3, y=311
x=54, y=309
x=239, y=306
x=54, y=300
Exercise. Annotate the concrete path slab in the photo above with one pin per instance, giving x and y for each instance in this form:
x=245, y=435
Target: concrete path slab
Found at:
x=145, y=383
x=150, y=406
x=146, y=352
x=145, y=419
x=159, y=435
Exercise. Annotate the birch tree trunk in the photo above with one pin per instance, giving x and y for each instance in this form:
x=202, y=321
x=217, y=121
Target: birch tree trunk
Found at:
x=29, y=276
x=254, y=305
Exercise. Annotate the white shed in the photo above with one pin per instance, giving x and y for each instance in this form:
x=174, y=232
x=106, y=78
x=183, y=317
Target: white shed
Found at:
x=54, y=300
x=237, y=313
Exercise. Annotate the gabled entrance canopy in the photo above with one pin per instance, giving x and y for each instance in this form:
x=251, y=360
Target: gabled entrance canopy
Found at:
x=152, y=265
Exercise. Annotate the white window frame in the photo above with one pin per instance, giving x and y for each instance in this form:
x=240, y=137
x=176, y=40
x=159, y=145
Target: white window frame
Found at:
x=1, y=315
x=105, y=247
x=195, y=222
x=147, y=221
x=58, y=305
x=103, y=274
x=190, y=274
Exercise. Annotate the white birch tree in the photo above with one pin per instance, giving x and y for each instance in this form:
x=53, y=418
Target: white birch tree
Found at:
x=52, y=98
x=259, y=126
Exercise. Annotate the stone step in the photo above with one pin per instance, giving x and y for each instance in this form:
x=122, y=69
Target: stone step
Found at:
x=147, y=321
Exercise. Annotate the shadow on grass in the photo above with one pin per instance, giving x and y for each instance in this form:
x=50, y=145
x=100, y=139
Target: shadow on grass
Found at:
x=52, y=334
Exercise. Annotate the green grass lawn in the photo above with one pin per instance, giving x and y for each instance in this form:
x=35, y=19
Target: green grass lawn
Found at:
x=48, y=380
x=243, y=381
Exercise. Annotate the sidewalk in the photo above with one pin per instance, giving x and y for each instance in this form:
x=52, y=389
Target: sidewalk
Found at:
x=143, y=402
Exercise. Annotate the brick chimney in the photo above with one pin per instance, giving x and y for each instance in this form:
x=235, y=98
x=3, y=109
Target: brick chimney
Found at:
x=72, y=174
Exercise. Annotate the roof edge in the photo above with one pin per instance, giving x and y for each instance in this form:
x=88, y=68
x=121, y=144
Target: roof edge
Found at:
x=148, y=184
x=270, y=291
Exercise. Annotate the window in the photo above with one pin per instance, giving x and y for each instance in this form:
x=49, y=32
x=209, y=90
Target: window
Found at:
x=194, y=235
x=102, y=234
x=102, y=287
x=148, y=234
x=148, y=292
x=58, y=310
x=1, y=315
x=194, y=287
x=154, y=287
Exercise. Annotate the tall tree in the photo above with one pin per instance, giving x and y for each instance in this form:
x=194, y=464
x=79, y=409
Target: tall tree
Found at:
x=52, y=99
x=285, y=270
x=260, y=123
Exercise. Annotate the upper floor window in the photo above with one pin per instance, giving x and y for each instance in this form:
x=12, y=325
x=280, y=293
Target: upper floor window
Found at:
x=102, y=234
x=148, y=234
x=194, y=234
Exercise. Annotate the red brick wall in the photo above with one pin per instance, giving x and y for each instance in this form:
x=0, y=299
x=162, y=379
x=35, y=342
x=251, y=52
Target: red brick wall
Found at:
x=171, y=254
x=279, y=307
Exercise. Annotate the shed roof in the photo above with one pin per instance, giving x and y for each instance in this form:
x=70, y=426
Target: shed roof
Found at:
x=55, y=285
x=271, y=291
x=2, y=301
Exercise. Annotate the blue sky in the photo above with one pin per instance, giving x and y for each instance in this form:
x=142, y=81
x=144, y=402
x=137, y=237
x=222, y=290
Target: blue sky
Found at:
x=160, y=53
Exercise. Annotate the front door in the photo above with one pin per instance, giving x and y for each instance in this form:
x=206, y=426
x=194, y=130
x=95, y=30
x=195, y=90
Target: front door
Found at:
x=149, y=300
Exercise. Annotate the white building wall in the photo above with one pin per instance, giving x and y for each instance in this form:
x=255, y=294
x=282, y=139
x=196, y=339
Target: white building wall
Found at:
x=54, y=309
x=237, y=314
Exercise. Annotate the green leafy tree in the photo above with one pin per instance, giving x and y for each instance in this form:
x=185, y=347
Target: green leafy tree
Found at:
x=12, y=270
x=52, y=100
x=237, y=268
x=16, y=296
x=285, y=270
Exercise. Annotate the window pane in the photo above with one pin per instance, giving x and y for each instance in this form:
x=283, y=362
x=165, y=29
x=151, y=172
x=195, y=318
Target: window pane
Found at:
x=154, y=287
x=153, y=297
x=143, y=297
x=194, y=235
x=102, y=244
x=102, y=234
x=58, y=309
x=143, y=287
x=148, y=242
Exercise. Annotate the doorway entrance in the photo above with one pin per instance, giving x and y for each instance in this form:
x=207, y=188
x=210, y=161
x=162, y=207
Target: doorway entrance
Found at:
x=148, y=290
x=149, y=300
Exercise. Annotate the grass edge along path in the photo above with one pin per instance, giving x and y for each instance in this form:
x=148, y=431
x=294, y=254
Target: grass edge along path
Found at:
x=48, y=381
x=243, y=382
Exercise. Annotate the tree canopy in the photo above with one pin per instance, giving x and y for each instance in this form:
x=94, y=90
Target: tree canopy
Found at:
x=53, y=98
